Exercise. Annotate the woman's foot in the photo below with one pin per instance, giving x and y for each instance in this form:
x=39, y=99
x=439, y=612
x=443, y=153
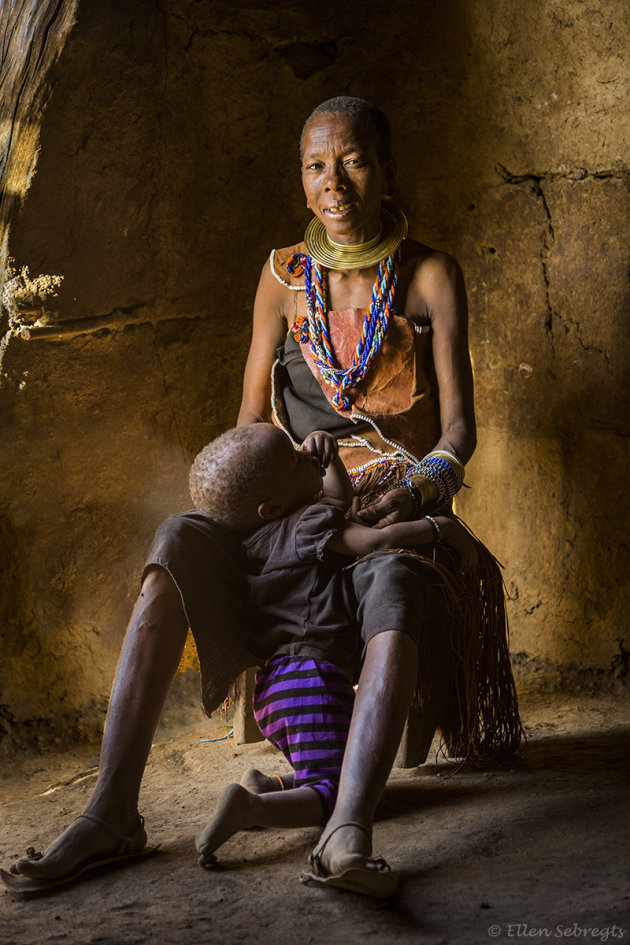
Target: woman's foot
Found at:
x=343, y=859
x=89, y=839
x=235, y=811
x=343, y=847
x=256, y=782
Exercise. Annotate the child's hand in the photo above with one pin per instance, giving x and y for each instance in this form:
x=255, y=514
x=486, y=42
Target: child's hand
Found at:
x=322, y=445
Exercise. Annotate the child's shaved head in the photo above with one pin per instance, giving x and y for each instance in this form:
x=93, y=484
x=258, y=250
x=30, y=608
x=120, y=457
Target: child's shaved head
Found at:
x=228, y=478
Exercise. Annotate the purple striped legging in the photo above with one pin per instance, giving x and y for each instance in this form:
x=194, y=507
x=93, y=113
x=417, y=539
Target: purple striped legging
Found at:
x=303, y=707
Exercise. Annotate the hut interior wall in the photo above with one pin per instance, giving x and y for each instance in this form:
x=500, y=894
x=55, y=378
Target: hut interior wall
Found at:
x=168, y=167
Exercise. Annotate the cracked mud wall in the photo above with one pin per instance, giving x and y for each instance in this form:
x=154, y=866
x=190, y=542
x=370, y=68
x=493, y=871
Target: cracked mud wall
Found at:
x=168, y=169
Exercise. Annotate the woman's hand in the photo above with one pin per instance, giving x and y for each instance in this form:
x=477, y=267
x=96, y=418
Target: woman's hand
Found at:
x=459, y=539
x=394, y=506
x=322, y=445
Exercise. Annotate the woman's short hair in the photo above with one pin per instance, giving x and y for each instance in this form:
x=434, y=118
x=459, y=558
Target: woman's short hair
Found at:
x=357, y=108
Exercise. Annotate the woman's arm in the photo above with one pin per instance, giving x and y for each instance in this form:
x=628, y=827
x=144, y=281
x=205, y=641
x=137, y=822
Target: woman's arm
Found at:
x=270, y=327
x=437, y=287
x=440, y=283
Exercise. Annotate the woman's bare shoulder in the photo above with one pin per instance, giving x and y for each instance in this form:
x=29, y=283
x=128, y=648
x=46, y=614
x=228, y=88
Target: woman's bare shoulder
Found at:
x=434, y=279
x=425, y=262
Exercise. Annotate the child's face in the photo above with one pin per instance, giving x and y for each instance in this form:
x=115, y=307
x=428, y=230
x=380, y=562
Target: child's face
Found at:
x=296, y=477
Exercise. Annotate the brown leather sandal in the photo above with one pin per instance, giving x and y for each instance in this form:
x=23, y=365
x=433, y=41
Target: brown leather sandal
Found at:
x=131, y=847
x=372, y=876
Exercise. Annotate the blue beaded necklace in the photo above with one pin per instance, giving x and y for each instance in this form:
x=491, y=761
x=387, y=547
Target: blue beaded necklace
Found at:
x=316, y=330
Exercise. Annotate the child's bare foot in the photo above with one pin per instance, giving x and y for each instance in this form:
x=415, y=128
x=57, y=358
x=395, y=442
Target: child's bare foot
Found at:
x=235, y=811
x=258, y=783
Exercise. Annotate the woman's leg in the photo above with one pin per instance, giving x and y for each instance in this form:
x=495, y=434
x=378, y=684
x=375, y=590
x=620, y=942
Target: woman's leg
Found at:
x=148, y=662
x=386, y=687
x=393, y=591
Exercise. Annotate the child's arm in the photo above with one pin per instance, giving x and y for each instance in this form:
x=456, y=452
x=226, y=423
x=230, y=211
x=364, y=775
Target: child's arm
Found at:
x=354, y=539
x=337, y=485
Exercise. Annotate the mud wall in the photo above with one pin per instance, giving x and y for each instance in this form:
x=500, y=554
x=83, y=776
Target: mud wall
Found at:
x=168, y=168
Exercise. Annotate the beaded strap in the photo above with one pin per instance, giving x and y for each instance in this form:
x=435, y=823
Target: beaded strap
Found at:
x=435, y=528
x=295, y=264
x=294, y=272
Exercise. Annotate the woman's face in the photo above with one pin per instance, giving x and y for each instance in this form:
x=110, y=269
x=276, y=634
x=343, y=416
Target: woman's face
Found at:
x=343, y=178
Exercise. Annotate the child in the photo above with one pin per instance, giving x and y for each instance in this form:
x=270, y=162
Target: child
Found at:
x=290, y=508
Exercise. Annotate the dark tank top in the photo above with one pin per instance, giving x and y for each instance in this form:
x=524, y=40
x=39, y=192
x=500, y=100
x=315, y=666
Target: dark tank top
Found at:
x=304, y=401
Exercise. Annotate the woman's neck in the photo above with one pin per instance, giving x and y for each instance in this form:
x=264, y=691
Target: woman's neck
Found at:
x=350, y=288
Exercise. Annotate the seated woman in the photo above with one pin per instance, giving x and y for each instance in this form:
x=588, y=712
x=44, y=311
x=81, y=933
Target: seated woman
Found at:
x=361, y=331
x=372, y=332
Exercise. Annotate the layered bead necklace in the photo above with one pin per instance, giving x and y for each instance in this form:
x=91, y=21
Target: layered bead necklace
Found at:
x=316, y=330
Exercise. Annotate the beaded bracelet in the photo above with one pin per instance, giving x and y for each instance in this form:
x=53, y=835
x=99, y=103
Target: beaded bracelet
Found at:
x=435, y=528
x=433, y=475
x=442, y=487
x=444, y=470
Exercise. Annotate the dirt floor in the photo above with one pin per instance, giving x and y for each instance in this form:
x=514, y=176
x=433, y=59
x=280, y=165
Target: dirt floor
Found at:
x=535, y=851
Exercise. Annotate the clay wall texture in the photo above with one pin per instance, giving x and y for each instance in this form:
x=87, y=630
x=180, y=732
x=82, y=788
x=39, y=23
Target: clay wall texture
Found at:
x=167, y=170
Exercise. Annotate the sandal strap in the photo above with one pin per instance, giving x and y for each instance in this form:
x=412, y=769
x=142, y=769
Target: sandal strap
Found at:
x=315, y=857
x=381, y=863
x=127, y=841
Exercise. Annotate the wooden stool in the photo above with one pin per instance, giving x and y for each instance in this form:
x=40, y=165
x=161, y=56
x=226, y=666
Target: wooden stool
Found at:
x=416, y=740
x=246, y=729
